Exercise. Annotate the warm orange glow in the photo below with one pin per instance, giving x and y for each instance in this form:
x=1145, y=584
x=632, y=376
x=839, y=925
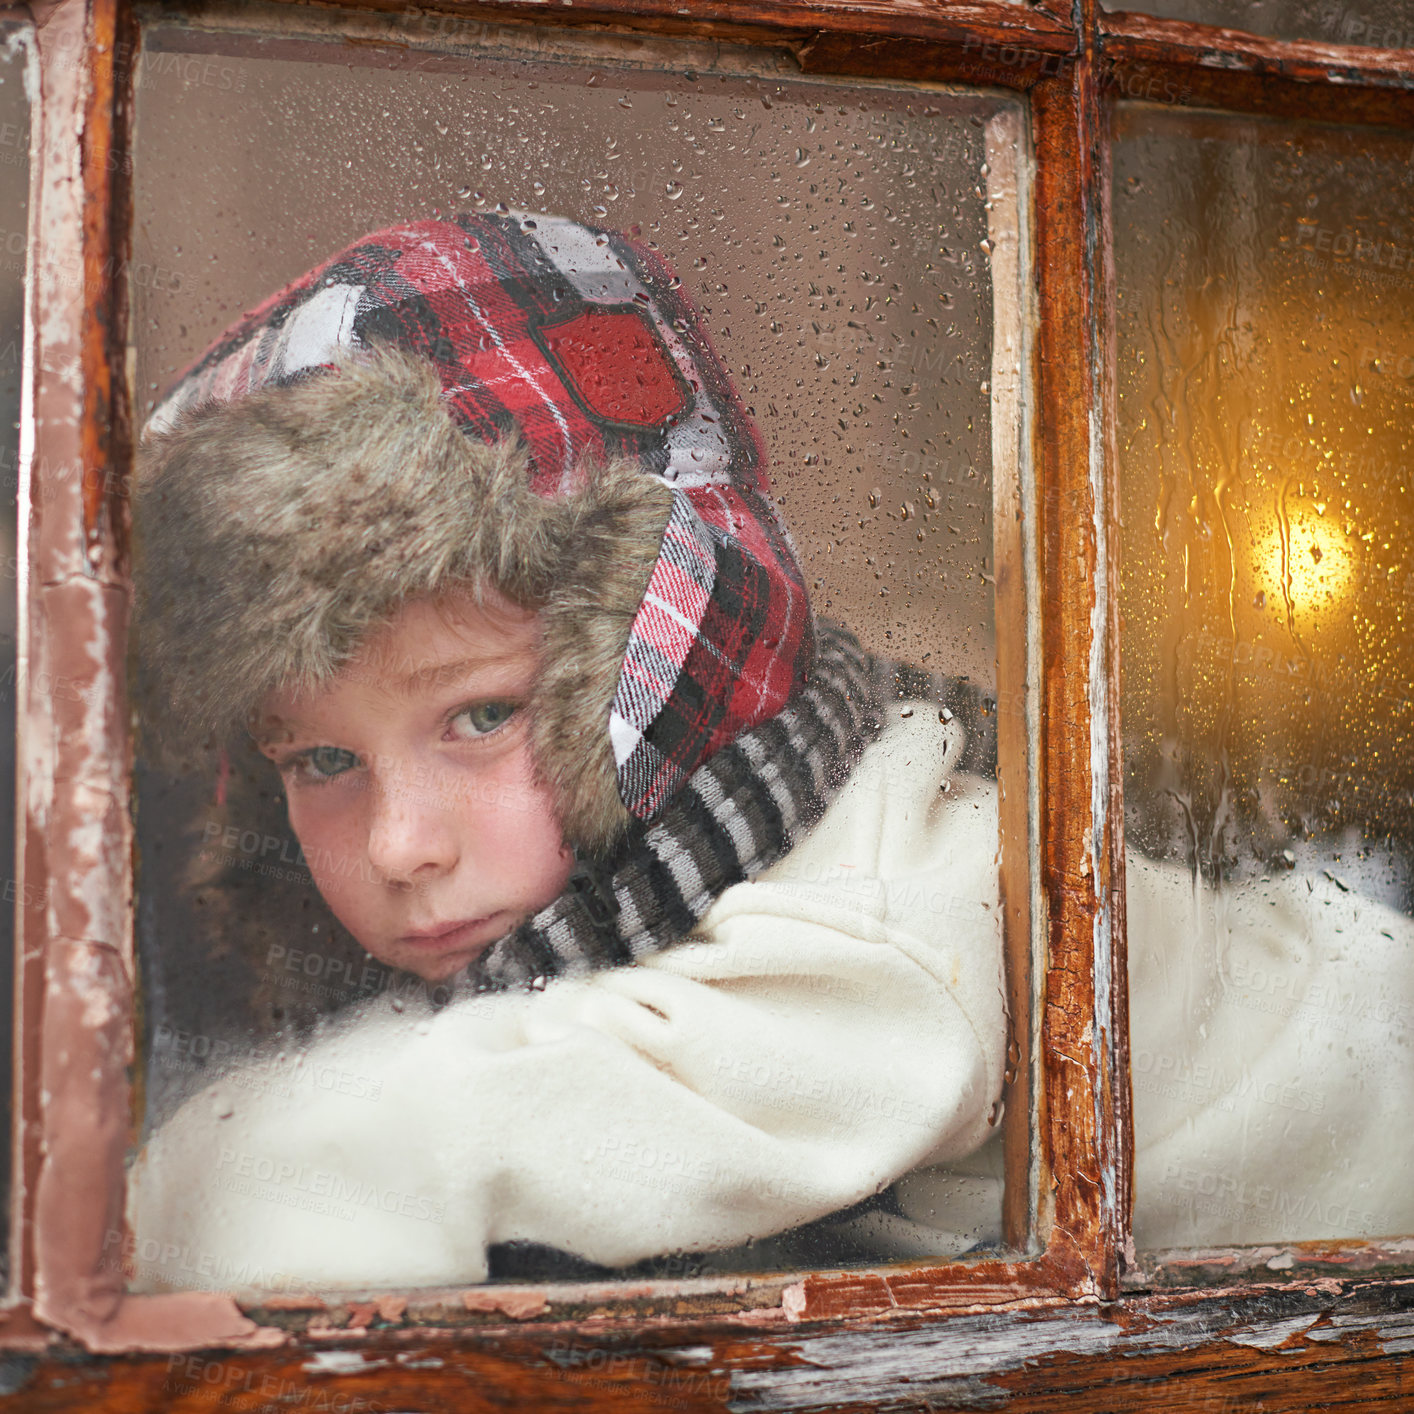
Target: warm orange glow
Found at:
x=1312, y=565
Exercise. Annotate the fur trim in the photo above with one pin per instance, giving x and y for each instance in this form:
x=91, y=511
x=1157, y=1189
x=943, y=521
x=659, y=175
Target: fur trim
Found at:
x=274, y=533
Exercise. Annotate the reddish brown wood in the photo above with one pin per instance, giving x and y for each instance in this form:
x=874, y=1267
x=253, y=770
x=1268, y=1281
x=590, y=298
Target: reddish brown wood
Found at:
x=988, y=57
x=1078, y=1132
x=1293, y=1262
x=991, y=47
x=1311, y=59
x=1292, y=1349
x=1171, y=61
x=775, y=21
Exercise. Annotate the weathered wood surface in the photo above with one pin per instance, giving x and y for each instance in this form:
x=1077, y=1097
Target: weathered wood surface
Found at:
x=1171, y=61
x=1288, y=1349
x=775, y=20
x=1079, y=1120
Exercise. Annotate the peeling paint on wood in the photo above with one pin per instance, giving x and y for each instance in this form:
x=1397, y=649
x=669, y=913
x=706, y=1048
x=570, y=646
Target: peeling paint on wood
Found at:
x=1288, y=1350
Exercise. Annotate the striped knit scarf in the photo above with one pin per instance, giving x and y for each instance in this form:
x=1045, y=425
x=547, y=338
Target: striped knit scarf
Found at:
x=736, y=815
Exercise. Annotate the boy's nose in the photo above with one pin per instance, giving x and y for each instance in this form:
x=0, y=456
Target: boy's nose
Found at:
x=410, y=833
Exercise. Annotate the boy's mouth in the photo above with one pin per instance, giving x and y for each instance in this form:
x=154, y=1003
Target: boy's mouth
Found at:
x=440, y=937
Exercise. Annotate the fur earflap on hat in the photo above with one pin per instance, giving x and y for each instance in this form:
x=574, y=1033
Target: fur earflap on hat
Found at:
x=277, y=531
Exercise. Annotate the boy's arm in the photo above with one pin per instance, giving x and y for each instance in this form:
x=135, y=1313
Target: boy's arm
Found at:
x=836, y=1031
x=664, y=1113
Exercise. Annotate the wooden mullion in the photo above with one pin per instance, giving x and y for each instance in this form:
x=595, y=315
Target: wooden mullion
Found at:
x=1079, y=1122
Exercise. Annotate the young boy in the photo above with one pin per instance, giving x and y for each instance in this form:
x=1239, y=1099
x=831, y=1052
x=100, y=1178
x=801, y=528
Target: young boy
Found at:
x=470, y=530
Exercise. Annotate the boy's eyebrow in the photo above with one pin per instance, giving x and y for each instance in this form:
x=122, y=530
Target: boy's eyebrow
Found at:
x=434, y=673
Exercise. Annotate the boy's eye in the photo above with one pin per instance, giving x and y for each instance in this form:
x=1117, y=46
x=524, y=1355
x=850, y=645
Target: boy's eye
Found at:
x=325, y=762
x=483, y=718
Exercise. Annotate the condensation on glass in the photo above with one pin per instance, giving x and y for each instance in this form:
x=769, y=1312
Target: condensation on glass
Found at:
x=1266, y=419
x=837, y=239
x=1376, y=24
x=14, y=222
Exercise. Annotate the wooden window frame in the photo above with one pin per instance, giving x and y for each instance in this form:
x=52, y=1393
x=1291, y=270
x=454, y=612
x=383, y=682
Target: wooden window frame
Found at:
x=1081, y=1313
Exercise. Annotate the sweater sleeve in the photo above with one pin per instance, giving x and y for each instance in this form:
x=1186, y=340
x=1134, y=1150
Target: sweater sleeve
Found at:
x=838, y=1023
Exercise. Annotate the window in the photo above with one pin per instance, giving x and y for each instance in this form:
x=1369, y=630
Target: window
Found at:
x=1071, y=117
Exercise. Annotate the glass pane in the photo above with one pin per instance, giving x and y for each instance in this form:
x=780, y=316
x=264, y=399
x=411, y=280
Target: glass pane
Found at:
x=14, y=221
x=1266, y=393
x=814, y=1081
x=1379, y=24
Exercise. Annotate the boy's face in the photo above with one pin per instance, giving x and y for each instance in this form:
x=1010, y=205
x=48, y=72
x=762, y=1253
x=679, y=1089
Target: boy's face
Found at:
x=410, y=784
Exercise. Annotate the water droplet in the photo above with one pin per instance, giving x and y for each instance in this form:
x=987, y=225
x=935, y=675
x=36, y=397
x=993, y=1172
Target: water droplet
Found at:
x=398, y=1004
x=802, y=157
x=944, y=715
x=905, y=712
x=222, y=1105
x=673, y=190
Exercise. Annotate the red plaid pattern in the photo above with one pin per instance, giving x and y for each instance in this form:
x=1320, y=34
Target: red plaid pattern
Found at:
x=580, y=341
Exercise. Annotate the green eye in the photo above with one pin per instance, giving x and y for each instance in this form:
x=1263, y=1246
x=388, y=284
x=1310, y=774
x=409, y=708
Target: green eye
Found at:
x=483, y=718
x=326, y=762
